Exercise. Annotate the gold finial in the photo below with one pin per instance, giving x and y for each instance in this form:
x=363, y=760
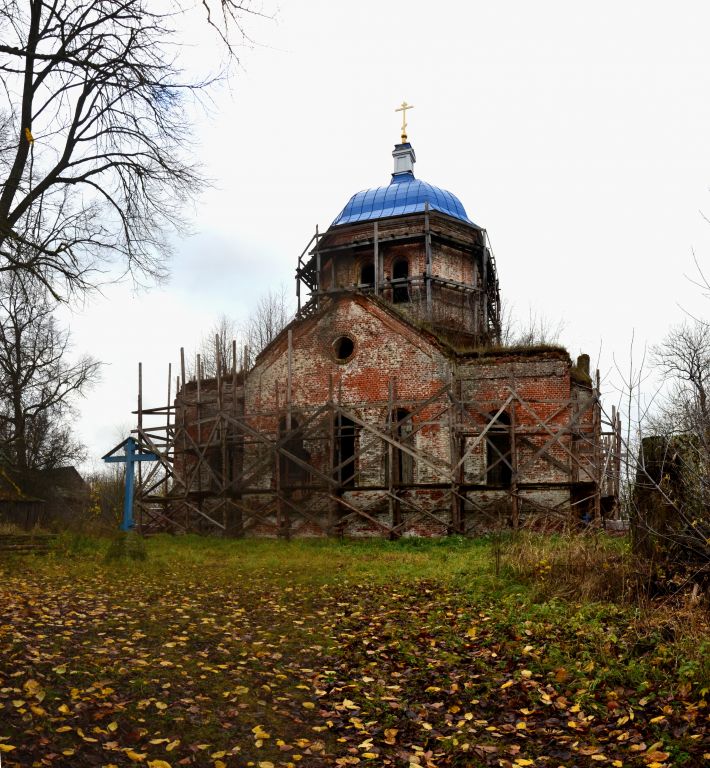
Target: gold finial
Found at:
x=403, y=109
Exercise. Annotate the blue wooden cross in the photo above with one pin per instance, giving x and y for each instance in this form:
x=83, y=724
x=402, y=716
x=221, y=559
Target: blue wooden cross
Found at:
x=130, y=457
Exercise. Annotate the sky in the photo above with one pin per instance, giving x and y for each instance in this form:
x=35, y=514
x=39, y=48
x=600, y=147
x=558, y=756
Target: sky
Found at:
x=577, y=134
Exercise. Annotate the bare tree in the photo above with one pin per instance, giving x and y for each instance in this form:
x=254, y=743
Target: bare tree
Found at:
x=684, y=358
x=670, y=504
x=218, y=345
x=94, y=134
x=536, y=330
x=270, y=316
x=37, y=380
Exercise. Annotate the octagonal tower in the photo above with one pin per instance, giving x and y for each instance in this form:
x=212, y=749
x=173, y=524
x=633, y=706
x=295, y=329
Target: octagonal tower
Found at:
x=410, y=244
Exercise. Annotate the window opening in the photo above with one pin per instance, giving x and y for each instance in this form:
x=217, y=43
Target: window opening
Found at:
x=367, y=275
x=343, y=348
x=403, y=462
x=293, y=473
x=344, y=451
x=498, y=456
x=400, y=272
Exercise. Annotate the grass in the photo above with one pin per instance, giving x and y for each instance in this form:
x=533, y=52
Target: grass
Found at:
x=219, y=653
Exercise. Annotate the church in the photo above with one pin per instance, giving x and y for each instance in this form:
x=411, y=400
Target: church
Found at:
x=388, y=406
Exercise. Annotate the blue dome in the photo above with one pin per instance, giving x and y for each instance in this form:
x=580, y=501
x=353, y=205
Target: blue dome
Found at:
x=404, y=194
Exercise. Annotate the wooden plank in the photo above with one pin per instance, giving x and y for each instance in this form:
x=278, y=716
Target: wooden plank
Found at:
x=420, y=457
x=361, y=513
x=483, y=434
x=376, y=258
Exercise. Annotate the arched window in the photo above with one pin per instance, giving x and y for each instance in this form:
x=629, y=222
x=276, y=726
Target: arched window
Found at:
x=498, y=457
x=367, y=275
x=400, y=276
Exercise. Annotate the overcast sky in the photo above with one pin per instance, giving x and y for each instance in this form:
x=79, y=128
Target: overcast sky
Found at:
x=578, y=134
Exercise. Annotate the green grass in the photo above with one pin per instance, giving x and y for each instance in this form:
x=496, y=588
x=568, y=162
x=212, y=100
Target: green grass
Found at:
x=412, y=652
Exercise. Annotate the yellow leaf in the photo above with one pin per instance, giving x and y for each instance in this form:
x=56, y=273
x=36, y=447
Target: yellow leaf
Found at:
x=390, y=735
x=260, y=733
x=64, y=729
x=506, y=685
x=524, y=761
x=18, y=703
x=136, y=757
x=160, y=705
x=158, y=764
x=365, y=744
x=33, y=688
x=64, y=709
x=369, y=755
x=61, y=669
x=265, y=764
x=308, y=705
x=112, y=726
x=6, y=747
x=170, y=747
x=561, y=675
x=220, y=764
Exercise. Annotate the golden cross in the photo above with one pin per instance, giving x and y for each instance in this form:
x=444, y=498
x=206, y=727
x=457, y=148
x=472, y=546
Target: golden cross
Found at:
x=403, y=109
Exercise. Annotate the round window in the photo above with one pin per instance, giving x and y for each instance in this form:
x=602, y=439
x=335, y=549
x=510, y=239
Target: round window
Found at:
x=343, y=348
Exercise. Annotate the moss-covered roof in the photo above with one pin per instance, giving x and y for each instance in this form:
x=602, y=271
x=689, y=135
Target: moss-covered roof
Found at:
x=465, y=345
x=453, y=343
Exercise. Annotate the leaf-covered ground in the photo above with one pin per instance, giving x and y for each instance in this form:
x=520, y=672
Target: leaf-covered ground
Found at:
x=216, y=653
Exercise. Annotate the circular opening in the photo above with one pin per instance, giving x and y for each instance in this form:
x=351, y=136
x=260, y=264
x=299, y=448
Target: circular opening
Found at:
x=343, y=348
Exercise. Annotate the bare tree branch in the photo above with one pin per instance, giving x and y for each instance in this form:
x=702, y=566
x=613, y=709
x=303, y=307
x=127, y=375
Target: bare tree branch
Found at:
x=95, y=160
x=38, y=382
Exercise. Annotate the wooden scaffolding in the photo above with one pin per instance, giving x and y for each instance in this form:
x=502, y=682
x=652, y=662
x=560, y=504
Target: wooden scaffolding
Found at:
x=345, y=468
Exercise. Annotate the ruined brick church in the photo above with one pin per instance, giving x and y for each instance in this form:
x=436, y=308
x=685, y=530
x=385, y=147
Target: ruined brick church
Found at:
x=387, y=407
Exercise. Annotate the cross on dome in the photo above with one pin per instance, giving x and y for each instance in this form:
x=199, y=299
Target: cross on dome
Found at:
x=403, y=109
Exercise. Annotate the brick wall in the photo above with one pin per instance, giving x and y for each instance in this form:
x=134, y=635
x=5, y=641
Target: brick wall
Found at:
x=386, y=349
